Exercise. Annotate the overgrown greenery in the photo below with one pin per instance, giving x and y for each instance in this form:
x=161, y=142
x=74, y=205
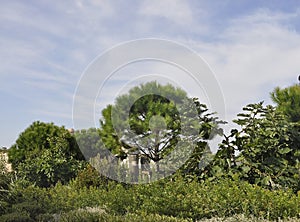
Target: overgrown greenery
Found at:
x=254, y=176
x=265, y=151
x=163, y=200
x=45, y=154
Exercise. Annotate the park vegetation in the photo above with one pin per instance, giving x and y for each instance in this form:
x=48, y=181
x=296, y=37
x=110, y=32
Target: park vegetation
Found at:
x=253, y=176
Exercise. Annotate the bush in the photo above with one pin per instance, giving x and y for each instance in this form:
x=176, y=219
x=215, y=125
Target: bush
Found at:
x=85, y=216
x=32, y=208
x=80, y=216
x=16, y=217
x=90, y=177
x=163, y=199
x=268, y=149
x=221, y=198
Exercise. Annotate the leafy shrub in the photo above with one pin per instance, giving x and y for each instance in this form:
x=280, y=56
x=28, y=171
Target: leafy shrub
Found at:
x=221, y=198
x=165, y=199
x=46, y=218
x=32, y=208
x=80, y=216
x=85, y=216
x=90, y=177
x=268, y=149
x=16, y=217
x=45, y=154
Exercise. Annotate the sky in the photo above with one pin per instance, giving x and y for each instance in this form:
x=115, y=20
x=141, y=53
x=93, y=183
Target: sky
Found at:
x=46, y=47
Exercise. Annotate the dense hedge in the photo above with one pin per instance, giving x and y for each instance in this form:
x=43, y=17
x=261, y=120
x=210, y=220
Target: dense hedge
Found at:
x=163, y=200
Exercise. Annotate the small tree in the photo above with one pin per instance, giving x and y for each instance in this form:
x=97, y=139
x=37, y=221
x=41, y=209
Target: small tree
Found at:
x=267, y=149
x=45, y=153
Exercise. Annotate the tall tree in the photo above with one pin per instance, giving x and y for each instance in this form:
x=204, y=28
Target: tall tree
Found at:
x=152, y=119
x=288, y=101
x=108, y=134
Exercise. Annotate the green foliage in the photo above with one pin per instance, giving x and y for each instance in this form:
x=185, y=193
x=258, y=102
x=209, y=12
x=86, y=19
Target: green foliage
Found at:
x=37, y=137
x=222, y=198
x=108, y=135
x=148, y=113
x=45, y=154
x=16, y=217
x=288, y=101
x=90, y=177
x=4, y=185
x=78, y=216
x=170, y=200
x=32, y=208
x=89, y=142
x=267, y=146
x=7, y=180
x=52, y=165
x=158, y=122
x=262, y=153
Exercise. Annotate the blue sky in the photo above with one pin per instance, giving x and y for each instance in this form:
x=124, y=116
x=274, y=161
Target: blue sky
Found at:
x=252, y=46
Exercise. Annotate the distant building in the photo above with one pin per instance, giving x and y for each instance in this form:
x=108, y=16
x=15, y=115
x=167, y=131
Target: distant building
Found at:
x=71, y=130
x=138, y=164
x=4, y=158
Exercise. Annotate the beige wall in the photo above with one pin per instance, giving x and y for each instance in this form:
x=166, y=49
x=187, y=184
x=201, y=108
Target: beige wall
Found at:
x=4, y=156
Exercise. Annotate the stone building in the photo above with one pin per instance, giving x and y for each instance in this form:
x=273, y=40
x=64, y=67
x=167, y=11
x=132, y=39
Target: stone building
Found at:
x=4, y=159
x=139, y=165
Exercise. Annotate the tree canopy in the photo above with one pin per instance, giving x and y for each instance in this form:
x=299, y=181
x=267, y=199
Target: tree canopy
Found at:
x=288, y=101
x=152, y=119
x=45, y=153
x=265, y=151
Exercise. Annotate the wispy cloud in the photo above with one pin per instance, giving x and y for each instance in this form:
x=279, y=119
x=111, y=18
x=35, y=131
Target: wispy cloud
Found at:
x=46, y=45
x=175, y=11
x=255, y=55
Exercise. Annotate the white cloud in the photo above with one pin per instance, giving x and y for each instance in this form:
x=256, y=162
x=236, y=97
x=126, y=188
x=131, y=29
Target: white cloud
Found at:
x=176, y=11
x=255, y=54
x=48, y=49
x=48, y=45
x=265, y=15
